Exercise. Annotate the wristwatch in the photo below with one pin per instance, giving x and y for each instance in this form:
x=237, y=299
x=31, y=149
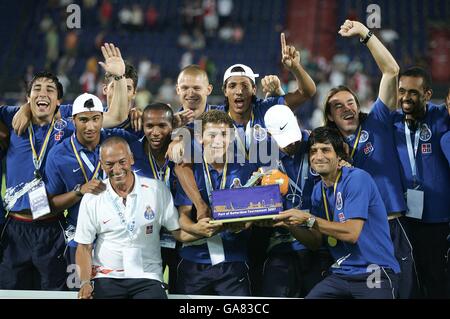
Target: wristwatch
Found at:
x=366, y=39
x=117, y=77
x=310, y=221
x=77, y=190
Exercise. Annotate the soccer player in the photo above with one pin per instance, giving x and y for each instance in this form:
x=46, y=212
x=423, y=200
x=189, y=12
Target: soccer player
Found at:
x=371, y=144
x=214, y=265
x=418, y=129
x=348, y=211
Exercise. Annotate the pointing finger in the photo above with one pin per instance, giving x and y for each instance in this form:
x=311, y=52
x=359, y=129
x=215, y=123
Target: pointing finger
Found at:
x=283, y=43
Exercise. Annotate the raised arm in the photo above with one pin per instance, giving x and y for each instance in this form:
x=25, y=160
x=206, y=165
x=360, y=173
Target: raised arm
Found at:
x=290, y=58
x=115, y=66
x=386, y=63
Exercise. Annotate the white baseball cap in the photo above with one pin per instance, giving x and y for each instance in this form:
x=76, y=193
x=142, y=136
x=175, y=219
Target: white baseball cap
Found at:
x=282, y=125
x=86, y=102
x=247, y=72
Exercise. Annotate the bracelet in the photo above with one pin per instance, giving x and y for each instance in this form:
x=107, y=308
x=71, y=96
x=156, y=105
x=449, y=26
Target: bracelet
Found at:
x=366, y=39
x=84, y=282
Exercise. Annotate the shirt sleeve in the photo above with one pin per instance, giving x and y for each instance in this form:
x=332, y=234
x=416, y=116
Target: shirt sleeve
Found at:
x=357, y=195
x=169, y=217
x=7, y=113
x=266, y=104
x=381, y=113
x=317, y=208
x=65, y=110
x=53, y=181
x=86, y=225
x=127, y=136
x=445, y=145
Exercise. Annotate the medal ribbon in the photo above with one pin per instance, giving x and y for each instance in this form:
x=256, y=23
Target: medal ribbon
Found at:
x=77, y=156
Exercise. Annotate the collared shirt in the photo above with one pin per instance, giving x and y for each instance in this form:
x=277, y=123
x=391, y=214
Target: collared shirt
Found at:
x=19, y=158
x=63, y=171
x=235, y=245
x=143, y=167
x=376, y=155
x=431, y=164
x=357, y=197
x=150, y=203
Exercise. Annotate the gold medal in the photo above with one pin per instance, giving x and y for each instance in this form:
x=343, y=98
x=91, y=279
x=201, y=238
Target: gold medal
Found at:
x=332, y=241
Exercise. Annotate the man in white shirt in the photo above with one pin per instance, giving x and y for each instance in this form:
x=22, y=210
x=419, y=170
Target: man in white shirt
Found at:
x=125, y=221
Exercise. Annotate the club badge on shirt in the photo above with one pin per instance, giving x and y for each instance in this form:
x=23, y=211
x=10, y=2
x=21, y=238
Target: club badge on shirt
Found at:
x=426, y=148
x=149, y=214
x=59, y=135
x=341, y=217
x=368, y=148
x=364, y=136
x=60, y=125
x=339, y=202
x=259, y=133
x=425, y=133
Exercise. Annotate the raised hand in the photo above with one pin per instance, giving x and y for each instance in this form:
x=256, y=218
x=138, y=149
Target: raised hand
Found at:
x=94, y=186
x=290, y=57
x=114, y=63
x=135, y=116
x=182, y=118
x=271, y=85
x=352, y=28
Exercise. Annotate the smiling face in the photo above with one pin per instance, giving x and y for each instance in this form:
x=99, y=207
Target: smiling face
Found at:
x=216, y=140
x=157, y=129
x=412, y=95
x=323, y=158
x=193, y=89
x=239, y=90
x=88, y=126
x=43, y=99
x=116, y=161
x=344, y=112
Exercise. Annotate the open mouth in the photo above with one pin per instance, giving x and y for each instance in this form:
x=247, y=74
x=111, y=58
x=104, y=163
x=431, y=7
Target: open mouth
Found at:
x=239, y=102
x=42, y=105
x=348, y=116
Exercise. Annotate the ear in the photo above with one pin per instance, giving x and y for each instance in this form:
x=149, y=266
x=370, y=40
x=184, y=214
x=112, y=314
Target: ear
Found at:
x=131, y=159
x=330, y=118
x=209, y=90
x=428, y=94
x=104, y=89
x=177, y=89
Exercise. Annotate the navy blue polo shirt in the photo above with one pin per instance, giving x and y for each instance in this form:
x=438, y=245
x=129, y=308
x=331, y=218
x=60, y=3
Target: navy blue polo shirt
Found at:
x=2, y=211
x=63, y=171
x=208, y=107
x=19, y=155
x=296, y=167
x=357, y=197
x=235, y=245
x=142, y=164
x=376, y=155
x=432, y=166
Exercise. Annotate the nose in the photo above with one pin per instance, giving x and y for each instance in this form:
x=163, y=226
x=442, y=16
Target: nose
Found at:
x=90, y=125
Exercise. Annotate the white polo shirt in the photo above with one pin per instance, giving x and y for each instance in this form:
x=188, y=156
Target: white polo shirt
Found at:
x=119, y=253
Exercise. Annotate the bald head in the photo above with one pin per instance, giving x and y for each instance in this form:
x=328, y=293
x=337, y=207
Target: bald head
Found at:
x=195, y=71
x=111, y=143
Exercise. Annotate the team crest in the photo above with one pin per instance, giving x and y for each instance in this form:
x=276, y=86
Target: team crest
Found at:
x=425, y=133
x=368, y=148
x=60, y=125
x=364, y=136
x=149, y=213
x=426, y=148
x=339, y=201
x=341, y=217
x=236, y=183
x=259, y=133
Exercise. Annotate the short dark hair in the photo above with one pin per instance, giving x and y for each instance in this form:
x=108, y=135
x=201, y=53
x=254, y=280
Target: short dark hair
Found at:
x=130, y=73
x=327, y=105
x=237, y=69
x=47, y=75
x=159, y=106
x=216, y=117
x=418, y=72
x=329, y=135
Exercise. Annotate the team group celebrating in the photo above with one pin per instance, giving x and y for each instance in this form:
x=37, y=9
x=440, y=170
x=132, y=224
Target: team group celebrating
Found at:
x=123, y=193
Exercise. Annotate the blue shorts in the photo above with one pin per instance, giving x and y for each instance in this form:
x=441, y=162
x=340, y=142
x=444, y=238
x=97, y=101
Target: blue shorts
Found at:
x=294, y=273
x=337, y=286
x=33, y=255
x=224, y=279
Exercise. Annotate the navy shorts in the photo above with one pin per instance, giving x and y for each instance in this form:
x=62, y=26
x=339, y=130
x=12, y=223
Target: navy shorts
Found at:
x=294, y=273
x=408, y=283
x=171, y=258
x=224, y=279
x=110, y=288
x=337, y=286
x=33, y=255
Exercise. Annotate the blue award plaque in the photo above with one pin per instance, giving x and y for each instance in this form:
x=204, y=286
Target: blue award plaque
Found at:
x=246, y=203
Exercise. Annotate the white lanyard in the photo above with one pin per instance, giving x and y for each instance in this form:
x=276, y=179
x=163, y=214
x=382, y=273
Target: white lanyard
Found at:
x=412, y=153
x=87, y=161
x=131, y=225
